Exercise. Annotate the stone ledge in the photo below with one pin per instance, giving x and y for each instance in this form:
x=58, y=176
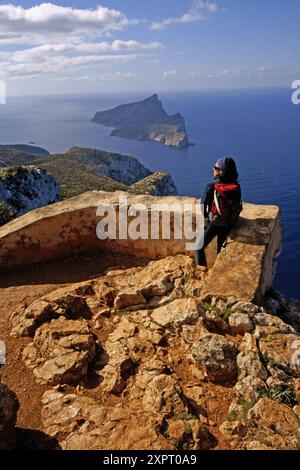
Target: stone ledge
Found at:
x=244, y=269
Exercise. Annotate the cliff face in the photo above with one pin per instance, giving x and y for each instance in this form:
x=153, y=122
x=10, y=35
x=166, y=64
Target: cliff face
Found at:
x=27, y=188
x=145, y=120
x=148, y=352
x=122, y=168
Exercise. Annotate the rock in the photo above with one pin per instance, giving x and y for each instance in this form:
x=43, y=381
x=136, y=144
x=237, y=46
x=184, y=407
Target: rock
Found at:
x=164, y=395
x=158, y=184
x=60, y=352
x=127, y=299
x=268, y=424
x=125, y=348
x=233, y=430
x=245, y=307
x=282, y=351
x=240, y=323
x=274, y=416
x=145, y=120
x=122, y=168
x=80, y=423
x=249, y=364
x=217, y=355
x=263, y=319
x=27, y=188
x=249, y=389
x=177, y=313
x=63, y=302
x=9, y=405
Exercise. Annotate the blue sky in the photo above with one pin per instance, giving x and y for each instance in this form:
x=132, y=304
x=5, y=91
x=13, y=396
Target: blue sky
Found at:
x=130, y=45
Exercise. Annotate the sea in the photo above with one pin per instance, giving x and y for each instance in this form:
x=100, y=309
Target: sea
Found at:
x=260, y=128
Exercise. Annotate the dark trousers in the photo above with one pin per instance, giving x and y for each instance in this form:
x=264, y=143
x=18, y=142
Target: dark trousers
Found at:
x=210, y=233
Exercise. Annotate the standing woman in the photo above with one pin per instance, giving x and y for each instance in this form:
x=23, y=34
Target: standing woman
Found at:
x=222, y=205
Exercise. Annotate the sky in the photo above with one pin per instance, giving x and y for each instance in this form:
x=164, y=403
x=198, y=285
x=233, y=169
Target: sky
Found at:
x=159, y=45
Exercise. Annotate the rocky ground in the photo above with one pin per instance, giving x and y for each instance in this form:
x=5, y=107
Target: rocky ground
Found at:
x=107, y=353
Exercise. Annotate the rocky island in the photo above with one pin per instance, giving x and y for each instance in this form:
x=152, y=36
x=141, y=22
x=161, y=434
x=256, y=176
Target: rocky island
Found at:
x=145, y=120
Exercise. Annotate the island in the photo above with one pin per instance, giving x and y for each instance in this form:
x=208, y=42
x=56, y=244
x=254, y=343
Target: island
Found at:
x=145, y=120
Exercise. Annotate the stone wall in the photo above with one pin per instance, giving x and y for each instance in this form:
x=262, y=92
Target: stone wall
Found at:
x=244, y=269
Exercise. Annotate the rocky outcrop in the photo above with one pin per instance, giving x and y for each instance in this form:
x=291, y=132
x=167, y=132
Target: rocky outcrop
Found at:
x=125, y=169
x=217, y=355
x=145, y=120
x=158, y=184
x=26, y=188
x=61, y=351
x=9, y=405
x=141, y=361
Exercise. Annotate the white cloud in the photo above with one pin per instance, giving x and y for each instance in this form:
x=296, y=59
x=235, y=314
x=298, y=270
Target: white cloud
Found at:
x=105, y=76
x=197, y=12
x=38, y=52
x=170, y=73
x=58, y=64
x=53, y=38
x=33, y=25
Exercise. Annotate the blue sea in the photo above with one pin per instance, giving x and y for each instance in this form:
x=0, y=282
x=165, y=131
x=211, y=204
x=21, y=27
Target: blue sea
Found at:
x=259, y=128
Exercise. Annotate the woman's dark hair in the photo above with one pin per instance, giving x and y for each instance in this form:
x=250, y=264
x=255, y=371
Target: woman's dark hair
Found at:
x=230, y=174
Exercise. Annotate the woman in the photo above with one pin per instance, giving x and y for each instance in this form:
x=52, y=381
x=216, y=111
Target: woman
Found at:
x=222, y=205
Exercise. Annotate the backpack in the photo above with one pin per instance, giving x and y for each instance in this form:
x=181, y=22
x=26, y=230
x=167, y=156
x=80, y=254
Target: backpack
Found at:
x=226, y=205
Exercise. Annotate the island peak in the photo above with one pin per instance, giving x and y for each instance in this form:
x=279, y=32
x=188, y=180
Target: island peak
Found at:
x=145, y=120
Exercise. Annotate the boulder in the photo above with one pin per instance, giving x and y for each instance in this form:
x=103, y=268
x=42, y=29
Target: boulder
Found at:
x=67, y=302
x=177, y=313
x=217, y=355
x=282, y=351
x=277, y=419
x=240, y=323
x=60, y=352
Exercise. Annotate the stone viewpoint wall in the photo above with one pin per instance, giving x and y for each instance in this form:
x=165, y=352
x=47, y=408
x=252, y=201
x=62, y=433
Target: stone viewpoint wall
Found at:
x=244, y=269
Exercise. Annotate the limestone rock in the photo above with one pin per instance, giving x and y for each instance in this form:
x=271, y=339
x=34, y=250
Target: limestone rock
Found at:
x=68, y=303
x=240, y=323
x=60, y=352
x=80, y=423
x=177, y=313
x=277, y=418
x=249, y=364
x=9, y=405
x=282, y=350
x=27, y=188
x=163, y=395
x=265, y=320
x=217, y=355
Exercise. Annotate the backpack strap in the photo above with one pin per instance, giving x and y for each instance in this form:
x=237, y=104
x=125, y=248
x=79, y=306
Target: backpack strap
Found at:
x=217, y=202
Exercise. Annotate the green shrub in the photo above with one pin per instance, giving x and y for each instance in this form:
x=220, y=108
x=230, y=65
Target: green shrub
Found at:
x=6, y=214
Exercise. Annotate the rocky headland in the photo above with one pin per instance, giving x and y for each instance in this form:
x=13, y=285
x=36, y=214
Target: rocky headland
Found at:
x=145, y=120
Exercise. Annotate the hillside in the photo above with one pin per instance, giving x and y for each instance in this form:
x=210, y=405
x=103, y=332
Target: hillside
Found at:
x=145, y=120
x=85, y=169
x=18, y=154
x=75, y=178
